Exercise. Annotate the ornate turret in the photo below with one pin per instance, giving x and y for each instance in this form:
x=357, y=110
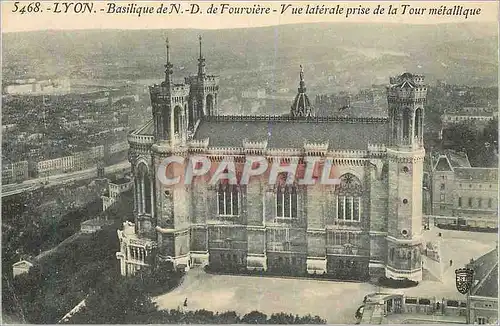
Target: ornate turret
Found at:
x=301, y=105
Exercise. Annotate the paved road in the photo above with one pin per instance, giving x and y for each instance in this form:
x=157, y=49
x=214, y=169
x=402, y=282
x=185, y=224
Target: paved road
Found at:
x=11, y=189
x=334, y=301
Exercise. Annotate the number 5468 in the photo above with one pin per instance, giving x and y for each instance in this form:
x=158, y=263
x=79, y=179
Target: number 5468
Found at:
x=30, y=7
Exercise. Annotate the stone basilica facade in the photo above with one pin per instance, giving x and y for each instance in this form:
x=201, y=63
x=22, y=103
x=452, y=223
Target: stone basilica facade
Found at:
x=367, y=226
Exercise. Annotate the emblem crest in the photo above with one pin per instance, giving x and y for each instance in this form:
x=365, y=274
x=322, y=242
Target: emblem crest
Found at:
x=463, y=279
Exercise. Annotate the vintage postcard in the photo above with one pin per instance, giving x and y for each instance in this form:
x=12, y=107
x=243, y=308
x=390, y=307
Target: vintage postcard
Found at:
x=249, y=162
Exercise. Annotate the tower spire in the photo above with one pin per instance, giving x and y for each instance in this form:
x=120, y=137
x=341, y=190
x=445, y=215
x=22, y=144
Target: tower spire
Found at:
x=168, y=66
x=201, y=62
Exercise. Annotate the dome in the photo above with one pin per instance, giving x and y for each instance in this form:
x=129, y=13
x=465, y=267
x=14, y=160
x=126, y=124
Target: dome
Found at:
x=301, y=106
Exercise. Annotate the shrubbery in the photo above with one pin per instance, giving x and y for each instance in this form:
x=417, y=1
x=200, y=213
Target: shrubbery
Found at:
x=396, y=284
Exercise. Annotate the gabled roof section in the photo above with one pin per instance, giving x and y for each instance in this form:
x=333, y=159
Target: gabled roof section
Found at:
x=485, y=268
x=443, y=164
x=449, y=160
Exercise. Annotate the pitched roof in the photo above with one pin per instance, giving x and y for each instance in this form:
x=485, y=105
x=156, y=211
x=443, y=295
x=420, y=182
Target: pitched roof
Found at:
x=353, y=134
x=22, y=263
x=449, y=160
x=486, y=275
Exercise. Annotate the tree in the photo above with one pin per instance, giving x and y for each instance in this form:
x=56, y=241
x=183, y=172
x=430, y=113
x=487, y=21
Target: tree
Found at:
x=254, y=317
x=117, y=302
x=281, y=318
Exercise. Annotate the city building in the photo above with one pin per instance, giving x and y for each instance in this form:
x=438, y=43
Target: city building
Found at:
x=34, y=87
x=76, y=162
x=461, y=194
x=21, y=267
x=478, y=116
x=115, y=188
x=15, y=172
x=94, y=225
x=369, y=225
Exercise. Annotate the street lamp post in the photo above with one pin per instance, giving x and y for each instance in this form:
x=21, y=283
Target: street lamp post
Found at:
x=463, y=282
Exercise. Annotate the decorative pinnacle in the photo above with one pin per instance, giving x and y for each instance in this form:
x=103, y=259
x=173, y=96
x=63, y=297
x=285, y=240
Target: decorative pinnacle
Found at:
x=302, y=84
x=199, y=38
x=168, y=66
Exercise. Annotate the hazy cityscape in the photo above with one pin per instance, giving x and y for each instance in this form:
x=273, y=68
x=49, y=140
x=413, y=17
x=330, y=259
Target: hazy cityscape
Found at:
x=90, y=236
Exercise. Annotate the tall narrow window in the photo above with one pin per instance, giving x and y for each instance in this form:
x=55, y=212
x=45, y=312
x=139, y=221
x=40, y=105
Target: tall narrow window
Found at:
x=406, y=123
x=479, y=202
x=286, y=201
x=470, y=202
x=459, y=201
x=228, y=199
x=349, y=194
x=177, y=119
x=418, y=123
x=356, y=209
x=341, y=207
x=490, y=203
x=143, y=189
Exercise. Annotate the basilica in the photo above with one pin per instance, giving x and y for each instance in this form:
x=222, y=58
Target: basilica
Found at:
x=367, y=225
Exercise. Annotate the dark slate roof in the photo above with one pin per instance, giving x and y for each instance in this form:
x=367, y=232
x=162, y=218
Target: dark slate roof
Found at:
x=362, y=109
x=442, y=165
x=486, y=275
x=353, y=134
x=477, y=174
x=458, y=159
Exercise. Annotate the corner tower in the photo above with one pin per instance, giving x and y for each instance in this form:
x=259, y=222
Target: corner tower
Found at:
x=170, y=217
x=406, y=96
x=203, y=99
x=170, y=107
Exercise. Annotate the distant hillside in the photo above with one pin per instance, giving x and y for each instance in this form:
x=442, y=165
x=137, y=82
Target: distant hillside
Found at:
x=352, y=53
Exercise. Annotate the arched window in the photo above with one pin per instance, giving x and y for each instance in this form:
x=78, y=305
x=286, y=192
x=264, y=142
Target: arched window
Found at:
x=349, y=198
x=228, y=199
x=210, y=104
x=143, y=189
x=394, y=124
x=286, y=199
x=406, y=123
x=418, y=123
